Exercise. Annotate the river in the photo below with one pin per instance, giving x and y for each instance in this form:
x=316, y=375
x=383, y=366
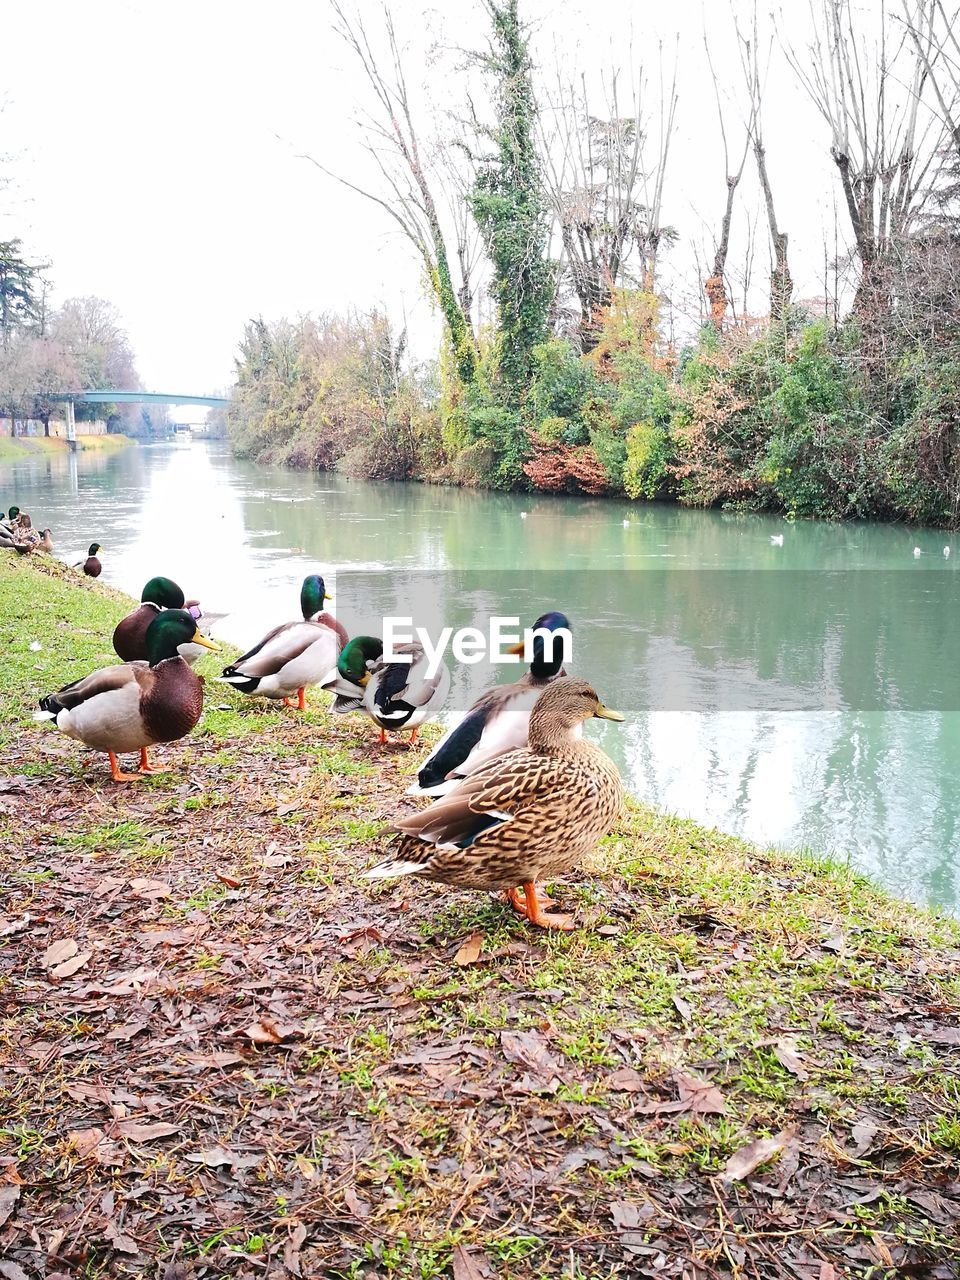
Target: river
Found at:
x=802, y=694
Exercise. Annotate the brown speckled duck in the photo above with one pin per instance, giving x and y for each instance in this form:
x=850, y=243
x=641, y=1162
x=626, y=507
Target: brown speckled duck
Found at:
x=133, y=706
x=531, y=813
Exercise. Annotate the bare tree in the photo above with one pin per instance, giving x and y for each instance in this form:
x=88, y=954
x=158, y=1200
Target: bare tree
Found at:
x=869, y=88
x=715, y=285
x=396, y=150
x=605, y=174
x=781, y=282
x=933, y=31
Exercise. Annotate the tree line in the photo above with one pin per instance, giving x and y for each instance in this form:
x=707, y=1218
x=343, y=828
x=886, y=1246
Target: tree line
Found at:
x=542, y=224
x=46, y=352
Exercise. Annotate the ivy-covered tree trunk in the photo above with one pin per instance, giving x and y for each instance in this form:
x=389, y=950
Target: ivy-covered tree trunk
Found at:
x=510, y=207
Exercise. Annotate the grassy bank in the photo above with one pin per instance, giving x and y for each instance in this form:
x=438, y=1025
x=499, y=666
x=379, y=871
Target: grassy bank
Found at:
x=24, y=446
x=266, y=1066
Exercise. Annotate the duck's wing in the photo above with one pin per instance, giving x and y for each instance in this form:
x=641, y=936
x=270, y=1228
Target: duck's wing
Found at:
x=487, y=799
x=498, y=722
x=276, y=649
x=105, y=680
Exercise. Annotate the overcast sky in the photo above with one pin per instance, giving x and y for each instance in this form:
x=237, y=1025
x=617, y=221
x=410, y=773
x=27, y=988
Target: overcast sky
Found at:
x=152, y=151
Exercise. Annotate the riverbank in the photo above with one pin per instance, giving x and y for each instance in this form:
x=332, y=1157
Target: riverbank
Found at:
x=12, y=448
x=263, y=1061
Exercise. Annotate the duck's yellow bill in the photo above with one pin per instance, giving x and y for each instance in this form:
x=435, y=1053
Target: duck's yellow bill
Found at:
x=362, y=682
x=200, y=638
x=607, y=713
x=516, y=648
x=327, y=597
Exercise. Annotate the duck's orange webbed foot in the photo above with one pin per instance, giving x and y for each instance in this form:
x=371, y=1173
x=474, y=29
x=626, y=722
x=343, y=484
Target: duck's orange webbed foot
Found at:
x=533, y=910
x=413, y=736
x=116, y=773
x=301, y=699
x=147, y=767
x=383, y=737
x=518, y=901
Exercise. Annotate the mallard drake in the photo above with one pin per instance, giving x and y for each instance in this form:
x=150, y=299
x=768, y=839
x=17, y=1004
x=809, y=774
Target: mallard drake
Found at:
x=352, y=672
x=531, y=813
x=499, y=719
x=130, y=633
x=133, y=706
x=92, y=566
x=401, y=694
x=293, y=656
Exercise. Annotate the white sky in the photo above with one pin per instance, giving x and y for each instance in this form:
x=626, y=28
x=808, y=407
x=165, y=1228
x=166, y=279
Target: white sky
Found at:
x=146, y=166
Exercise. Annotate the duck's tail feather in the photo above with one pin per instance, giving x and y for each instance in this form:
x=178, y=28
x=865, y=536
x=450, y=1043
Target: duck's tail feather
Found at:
x=246, y=684
x=41, y=716
x=432, y=793
x=395, y=867
x=342, y=703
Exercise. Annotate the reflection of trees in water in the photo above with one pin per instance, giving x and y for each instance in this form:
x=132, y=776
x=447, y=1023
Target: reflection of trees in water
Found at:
x=879, y=782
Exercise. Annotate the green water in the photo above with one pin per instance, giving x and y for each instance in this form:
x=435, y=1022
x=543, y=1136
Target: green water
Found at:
x=803, y=694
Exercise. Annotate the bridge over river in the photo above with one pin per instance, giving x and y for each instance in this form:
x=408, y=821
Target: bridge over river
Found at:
x=111, y=396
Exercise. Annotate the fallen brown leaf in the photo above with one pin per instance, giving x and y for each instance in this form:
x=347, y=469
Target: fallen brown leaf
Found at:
x=470, y=949
x=528, y=1049
x=470, y=1264
x=213, y=1157
x=626, y=1080
x=230, y=881
x=143, y=887
x=137, y=1132
x=743, y=1162
x=57, y=952
x=8, y=1199
x=71, y=966
x=787, y=1054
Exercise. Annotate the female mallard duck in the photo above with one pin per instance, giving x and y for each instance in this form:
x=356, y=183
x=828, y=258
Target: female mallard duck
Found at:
x=401, y=694
x=131, y=707
x=530, y=813
x=92, y=566
x=499, y=719
x=130, y=633
x=32, y=541
x=294, y=656
x=348, y=680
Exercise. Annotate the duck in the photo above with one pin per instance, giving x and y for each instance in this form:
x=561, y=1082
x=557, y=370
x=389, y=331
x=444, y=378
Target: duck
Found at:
x=293, y=656
x=917, y=553
x=400, y=693
x=130, y=633
x=32, y=541
x=532, y=813
x=347, y=681
x=130, y=707
x=91, y=566
x=498, y=721
x=776, y=539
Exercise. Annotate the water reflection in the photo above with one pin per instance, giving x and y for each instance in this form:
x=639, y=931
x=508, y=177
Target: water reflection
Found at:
x=815, y=704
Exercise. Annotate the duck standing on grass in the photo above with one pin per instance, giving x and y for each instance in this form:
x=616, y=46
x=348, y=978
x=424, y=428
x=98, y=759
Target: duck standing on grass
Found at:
x=499, y=719
x=133, y=706
x=531, y=813
x=294, y=656
x=401, y=693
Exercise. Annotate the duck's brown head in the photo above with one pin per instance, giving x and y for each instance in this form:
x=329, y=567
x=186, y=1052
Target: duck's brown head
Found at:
x=561, y=707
